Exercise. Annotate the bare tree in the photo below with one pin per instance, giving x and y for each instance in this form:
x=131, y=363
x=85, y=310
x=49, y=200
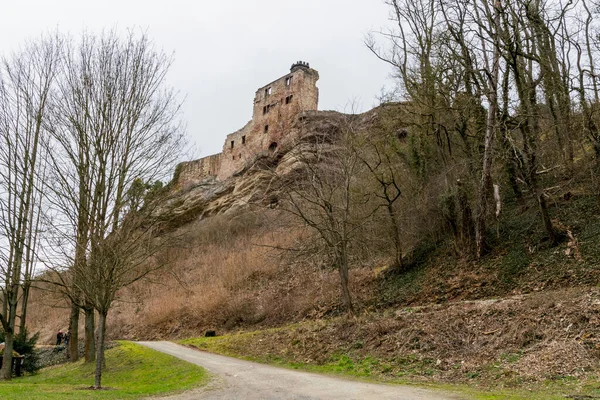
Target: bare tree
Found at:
x=519, y=52
x=322, y=194
x=381, y=157
x=25, y=84
x=448, y=62
x=414, y=50
x=129, y=253
x=114, y=123
x=587, y=79
x=493, y=68
x=519, y=61
x=33, y=242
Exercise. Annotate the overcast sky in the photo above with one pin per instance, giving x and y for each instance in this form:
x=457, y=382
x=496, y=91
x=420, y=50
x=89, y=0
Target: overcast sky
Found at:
x=226, y=49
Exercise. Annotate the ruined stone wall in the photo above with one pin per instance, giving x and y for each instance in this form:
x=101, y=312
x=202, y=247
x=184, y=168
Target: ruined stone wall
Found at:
x=238, y=148
x=193, y=171
x=274, y=109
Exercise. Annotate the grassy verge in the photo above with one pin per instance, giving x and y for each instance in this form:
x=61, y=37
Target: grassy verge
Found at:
x=132, y=372
x=406, y=372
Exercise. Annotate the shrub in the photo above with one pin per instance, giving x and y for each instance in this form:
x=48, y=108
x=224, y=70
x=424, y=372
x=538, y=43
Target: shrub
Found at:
x=25, y=346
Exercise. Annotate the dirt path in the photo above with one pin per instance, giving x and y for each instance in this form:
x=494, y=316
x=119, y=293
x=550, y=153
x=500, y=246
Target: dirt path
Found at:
x=238, y=379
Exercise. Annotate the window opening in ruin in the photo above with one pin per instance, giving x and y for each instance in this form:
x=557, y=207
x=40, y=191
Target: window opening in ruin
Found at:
x=268, y=91
x=288, y=99
x=233, y=157
x=288, y=81
x=264, y=110
x=273, y=146
x=243, y=139
x=232, y=143
x=266, y=128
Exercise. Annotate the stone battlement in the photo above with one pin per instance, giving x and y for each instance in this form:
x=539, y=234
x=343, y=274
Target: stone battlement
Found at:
x=275, y=107
x=189, y=172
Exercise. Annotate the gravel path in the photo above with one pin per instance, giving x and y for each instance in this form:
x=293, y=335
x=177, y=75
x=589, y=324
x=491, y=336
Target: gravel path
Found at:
x=239, y=379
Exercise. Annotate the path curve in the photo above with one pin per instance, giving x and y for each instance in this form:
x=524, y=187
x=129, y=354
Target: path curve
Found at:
x=239, y=379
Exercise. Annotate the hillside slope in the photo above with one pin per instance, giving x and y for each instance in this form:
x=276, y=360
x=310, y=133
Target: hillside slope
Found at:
x=527, y=311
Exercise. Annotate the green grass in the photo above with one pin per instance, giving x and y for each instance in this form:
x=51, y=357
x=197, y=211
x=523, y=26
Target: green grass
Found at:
x=132, y=372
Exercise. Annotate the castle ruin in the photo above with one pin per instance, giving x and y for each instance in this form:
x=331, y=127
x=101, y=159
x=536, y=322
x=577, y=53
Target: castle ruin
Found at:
x=275, y=107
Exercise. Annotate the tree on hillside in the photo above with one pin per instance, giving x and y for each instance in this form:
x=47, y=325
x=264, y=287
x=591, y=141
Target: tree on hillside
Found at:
x=26, y=81
x=488, y=20
x=323, y=194
x=519, y=51
x=526, y=67
x=383, y=159
x=443, y=84
x=412, y=54
x=586, y=78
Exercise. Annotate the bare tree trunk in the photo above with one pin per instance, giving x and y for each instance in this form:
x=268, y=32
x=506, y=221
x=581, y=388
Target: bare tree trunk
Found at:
x=6, y=370
x=397, y=240
x=89, y=344
x=74, y=328
x=5, y=299
x=467, y=228
x=511, y=169
x=511, y=153
x=489, y=137
x=9, y=332
x=24, y=302
x=546, y=218
x=100, y=350
x=343, y=271
x=30, y=252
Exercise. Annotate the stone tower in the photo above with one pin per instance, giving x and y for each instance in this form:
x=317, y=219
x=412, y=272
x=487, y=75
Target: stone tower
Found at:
x=275, y=107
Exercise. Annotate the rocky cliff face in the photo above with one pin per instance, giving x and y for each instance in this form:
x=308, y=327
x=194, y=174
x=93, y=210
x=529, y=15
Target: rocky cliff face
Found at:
x=209, y=196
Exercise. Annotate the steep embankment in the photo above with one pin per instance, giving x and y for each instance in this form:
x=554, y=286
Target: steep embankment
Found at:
x=529, y=338
x=225, y=272
x=526, y=312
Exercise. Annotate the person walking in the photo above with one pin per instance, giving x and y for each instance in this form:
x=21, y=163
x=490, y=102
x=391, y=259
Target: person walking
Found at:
x=67, y=337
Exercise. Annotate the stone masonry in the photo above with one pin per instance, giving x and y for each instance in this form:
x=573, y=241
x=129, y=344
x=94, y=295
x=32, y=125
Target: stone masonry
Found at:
x=275, y=107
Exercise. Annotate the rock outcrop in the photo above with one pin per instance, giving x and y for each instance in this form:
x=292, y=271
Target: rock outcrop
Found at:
x=207, y=196
x=210, y=196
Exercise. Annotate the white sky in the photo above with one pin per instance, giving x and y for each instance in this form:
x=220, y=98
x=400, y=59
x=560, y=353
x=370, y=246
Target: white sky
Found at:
x=226, y=49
